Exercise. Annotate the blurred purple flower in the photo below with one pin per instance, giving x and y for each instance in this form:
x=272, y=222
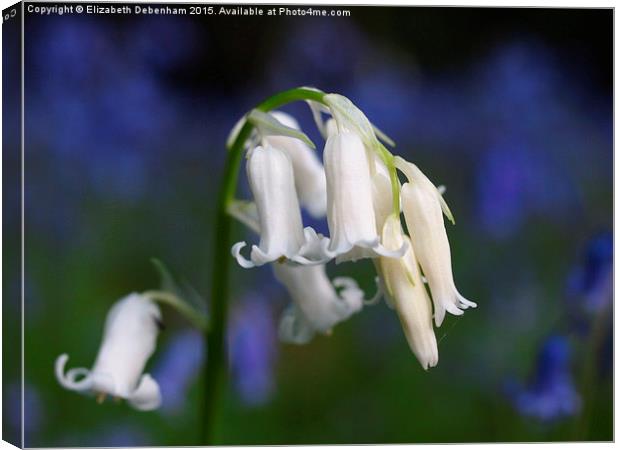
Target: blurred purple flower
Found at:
x=252, y=345
x=177, y=367
x=32, y=408
x=519, y=86
x=386, y=97
x=302, y=58
x=591, y=280
x=252, y=353
x=95, y=113
x=516, y=181
x=551, y=394
x=165, y=42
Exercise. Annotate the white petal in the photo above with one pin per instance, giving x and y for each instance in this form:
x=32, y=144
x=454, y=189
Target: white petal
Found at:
x=309, y=174
x=294, y=328
x=331, y=128
x=315, y=296
x=371, y=249
x=430, y=242
x=68, y=380
x=314, y=251
x=350, y=213
x=423, y=213
x=351, y=199
x=259, y=257
x=129, y=338
x=270, y=174
x=351, y=294
x=382, y=197
x=406, y=289
x=147, y=396
x=464, y=303
x=361, y=250
x=236, y=252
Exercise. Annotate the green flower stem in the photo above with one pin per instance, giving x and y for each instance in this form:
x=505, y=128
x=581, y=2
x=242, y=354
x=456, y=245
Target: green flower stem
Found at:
x=216, y=335
x=166, y=298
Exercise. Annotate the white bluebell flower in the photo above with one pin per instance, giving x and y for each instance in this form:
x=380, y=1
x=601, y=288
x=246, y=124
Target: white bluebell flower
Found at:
x=405, y=289
x=350, y=209
x=129, y=338
x=423, y=205
x=317, y=305
x=282, y=236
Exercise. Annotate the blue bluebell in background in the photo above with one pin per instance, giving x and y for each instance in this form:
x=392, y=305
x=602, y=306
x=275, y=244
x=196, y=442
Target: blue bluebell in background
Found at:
x=177, y=366
x=253, y=349
x=550, y=394
x=590, y=282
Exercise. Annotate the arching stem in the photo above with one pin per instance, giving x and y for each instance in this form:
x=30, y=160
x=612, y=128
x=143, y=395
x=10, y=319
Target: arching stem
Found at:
x=218, y=312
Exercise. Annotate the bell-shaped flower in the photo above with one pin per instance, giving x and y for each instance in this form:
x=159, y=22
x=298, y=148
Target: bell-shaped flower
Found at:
x=317, y=305
x=270, y=174
x=129, y=337
x=403, y=285
x=350, y=210
x=423, y=205
x=307, y=167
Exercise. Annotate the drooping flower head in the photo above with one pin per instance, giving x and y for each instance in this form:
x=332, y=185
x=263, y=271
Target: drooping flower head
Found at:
x=364, y=200
x=129, y=337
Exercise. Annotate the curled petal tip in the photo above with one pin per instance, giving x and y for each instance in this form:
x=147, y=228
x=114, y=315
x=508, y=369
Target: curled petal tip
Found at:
x=147, y=395
x=399, y=253
x=464, y=303
x=68, y=379
x=236, y=253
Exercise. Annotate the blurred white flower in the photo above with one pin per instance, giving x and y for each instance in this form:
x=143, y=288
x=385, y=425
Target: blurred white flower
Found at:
x=402, y=284
x=129, y=338
x=270, y=173
x=317, y=306
x=423, y=205
x=307, y=167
